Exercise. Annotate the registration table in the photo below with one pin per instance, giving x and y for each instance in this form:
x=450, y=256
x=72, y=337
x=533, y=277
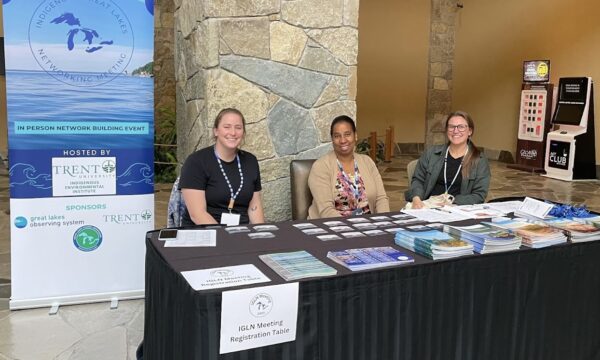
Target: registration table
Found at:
x=525, y=304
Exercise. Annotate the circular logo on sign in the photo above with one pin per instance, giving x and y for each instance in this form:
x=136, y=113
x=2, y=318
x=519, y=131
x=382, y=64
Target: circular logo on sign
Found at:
x=221, y=273
x=87, y=238
x=108, y=166
x=81, y=43
x=261, y=305
x=20, y=222
x=146, y=214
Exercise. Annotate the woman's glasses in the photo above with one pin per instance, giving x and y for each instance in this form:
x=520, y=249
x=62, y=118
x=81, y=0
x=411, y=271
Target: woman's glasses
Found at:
x=460, y=128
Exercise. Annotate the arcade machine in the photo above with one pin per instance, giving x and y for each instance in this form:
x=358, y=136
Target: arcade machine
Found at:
x=571, y=150
x=534, y=116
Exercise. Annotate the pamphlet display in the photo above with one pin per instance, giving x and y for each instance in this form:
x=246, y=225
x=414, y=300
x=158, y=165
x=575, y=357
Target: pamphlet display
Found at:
x=534, y=116
x=571, y=150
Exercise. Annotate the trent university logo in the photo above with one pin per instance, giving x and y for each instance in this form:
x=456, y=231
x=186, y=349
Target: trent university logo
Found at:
x=81, y=43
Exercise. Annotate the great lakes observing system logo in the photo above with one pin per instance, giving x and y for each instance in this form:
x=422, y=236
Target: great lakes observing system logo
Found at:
x=87, y=238
x=81, y=43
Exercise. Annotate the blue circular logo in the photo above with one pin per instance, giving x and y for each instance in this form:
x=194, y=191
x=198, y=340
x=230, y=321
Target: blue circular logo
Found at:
x=87, y=238
x=20, y=222
x=81, y=43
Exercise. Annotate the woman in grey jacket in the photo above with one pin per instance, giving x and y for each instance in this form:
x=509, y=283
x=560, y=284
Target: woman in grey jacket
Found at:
x=457, y=168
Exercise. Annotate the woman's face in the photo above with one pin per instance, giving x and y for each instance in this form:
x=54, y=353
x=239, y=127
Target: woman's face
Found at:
x=230, y=132
x=458, y=130
x=343, y=138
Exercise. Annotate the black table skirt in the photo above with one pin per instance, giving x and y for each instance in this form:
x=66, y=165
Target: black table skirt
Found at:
x=526, y=304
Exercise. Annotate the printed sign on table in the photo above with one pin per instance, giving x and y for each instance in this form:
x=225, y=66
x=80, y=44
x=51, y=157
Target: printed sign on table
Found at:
x=260, y=316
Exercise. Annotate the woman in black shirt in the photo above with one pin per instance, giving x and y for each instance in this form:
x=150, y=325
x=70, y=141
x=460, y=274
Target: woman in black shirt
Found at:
x=221, y=183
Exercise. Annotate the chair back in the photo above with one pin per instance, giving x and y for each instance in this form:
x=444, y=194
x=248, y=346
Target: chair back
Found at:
x=410, y=170
x=301, y=196
x=176, y=206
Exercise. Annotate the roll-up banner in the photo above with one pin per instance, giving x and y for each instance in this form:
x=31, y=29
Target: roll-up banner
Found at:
x=80, y=145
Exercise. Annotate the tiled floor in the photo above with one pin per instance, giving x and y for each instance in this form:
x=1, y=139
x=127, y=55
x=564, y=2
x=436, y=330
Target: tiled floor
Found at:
x=94, y=331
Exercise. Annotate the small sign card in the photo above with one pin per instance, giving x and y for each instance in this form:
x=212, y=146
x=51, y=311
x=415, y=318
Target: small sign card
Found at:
x=224, y=277
x=259, y=316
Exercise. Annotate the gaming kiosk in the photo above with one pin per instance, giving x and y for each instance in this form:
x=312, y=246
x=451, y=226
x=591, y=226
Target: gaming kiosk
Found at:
x=570, y=149
x=534, y=116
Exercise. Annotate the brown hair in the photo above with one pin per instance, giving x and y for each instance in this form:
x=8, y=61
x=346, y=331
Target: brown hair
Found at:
x=472, y=156
x=229, y=111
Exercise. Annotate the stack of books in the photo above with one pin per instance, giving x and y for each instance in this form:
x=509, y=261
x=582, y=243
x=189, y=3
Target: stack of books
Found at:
x=297, y=265
x=534, y=235
x=485, y=238
x=369, y=258
x=576, y=231
x=432, y=243
x=592, y=220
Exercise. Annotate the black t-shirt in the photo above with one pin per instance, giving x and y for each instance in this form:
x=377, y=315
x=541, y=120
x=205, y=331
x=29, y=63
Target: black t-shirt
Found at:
x=451, y=169
x=201, y=172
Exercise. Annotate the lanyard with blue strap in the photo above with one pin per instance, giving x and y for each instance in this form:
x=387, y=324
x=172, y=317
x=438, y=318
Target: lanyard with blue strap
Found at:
x=232, y=195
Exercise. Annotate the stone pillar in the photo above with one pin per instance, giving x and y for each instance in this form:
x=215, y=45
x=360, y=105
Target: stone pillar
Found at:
x=441, y=60
x=164, y=68
x=289, y=66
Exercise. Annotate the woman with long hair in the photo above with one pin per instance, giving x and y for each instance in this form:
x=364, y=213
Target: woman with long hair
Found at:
x=457, y=168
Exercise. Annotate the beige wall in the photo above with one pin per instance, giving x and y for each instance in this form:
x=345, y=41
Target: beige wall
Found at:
x=492, y=40
x=392, y=68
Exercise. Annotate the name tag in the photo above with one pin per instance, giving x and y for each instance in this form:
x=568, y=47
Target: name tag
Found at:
x=230, y=219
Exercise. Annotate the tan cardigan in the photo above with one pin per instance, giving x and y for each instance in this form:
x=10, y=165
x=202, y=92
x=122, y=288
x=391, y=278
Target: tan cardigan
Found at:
x=322, y=181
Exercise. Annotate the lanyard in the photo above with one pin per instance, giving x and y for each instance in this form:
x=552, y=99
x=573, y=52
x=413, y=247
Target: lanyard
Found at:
x=347, y=178
x=457, y=171
x=231, y=194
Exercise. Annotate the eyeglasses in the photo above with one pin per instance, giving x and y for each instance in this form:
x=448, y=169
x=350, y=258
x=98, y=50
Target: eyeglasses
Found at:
x=460, y=128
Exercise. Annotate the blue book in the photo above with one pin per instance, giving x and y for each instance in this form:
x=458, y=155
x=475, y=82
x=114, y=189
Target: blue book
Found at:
x=369, y=258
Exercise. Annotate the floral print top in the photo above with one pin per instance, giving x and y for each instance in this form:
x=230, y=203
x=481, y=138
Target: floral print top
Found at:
x=345, y=201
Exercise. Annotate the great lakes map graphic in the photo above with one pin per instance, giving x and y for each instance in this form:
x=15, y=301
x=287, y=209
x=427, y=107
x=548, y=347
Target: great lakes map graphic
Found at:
x=88, y=34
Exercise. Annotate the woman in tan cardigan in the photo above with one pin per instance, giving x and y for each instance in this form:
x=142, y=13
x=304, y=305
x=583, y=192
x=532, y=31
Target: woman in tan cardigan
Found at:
x=342, y=182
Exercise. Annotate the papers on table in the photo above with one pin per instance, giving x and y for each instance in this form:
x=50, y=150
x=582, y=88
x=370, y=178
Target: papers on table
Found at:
x=227, y=276
x=435, y=215
x=193, y=238
x=505, y=207
x=535, y=209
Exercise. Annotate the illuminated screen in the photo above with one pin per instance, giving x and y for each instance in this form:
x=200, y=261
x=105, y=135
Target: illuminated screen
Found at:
x=536, y=71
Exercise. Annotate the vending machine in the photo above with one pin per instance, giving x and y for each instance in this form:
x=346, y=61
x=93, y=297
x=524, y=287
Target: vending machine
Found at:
x=571, y=148
x=534, y=116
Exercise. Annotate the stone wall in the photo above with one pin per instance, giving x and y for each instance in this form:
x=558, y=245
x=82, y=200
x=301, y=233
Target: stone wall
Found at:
x=441, y=60
x=164, y=68
x=289, y=66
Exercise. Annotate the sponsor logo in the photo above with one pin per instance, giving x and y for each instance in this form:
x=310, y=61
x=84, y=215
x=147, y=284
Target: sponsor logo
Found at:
x=87, y=238
x=20, y=222
x=108, y=166
x=83, y=176
x=142, y=217
x=81, y=43
x=261, y=305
